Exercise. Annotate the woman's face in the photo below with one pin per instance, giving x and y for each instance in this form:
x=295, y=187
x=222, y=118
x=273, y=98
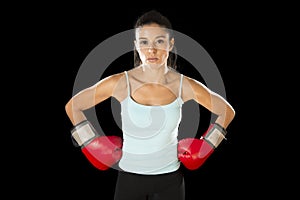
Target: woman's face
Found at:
x=153, y=45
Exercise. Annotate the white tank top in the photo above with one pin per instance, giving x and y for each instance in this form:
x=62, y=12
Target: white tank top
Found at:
x=150, y=135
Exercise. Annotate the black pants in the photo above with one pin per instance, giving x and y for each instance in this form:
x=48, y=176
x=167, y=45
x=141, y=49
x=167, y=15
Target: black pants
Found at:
x=132, y=186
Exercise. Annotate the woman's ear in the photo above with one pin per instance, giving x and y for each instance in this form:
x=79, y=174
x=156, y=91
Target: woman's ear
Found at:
x=172, y=42
x=135, y=44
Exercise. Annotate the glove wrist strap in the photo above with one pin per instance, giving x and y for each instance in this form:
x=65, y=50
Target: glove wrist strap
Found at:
x=215, y=135
x=82, y=133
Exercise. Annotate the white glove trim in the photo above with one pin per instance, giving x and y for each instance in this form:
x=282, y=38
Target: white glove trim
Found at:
x=215, y=135
x=83, y=132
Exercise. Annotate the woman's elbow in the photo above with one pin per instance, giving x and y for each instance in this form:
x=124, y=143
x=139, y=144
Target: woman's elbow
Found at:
x=230, y=113
x=71, y=109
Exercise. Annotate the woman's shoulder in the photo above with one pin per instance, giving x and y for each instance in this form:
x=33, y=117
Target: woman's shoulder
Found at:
x=113, y=78
x=117, y=75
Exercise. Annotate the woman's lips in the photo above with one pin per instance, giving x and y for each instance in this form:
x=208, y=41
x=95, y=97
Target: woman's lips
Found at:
x=152, y=59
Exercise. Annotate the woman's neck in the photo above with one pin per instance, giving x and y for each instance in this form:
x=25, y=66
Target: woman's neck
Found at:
x=154, y=75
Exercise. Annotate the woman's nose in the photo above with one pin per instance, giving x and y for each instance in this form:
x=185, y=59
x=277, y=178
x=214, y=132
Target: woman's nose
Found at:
x=151, y=48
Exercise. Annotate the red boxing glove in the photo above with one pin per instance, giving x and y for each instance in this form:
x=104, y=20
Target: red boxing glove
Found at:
x=193, y=152
x=101, y=151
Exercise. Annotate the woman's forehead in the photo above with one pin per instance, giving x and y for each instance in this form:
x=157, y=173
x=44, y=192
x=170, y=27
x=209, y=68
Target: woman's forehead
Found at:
x=151, y=30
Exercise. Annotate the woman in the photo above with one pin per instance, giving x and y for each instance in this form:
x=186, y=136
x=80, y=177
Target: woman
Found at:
x=151, y=95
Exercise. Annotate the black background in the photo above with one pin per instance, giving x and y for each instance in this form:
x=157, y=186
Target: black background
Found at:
x=51, y=43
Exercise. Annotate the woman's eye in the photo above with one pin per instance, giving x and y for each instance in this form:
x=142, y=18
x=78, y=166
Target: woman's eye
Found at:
x=143, y=42
x=160, y=41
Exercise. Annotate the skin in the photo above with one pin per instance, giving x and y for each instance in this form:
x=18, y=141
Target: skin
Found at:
x=158, y=82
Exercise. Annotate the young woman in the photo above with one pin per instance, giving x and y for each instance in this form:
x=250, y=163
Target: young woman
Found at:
x=151, y=95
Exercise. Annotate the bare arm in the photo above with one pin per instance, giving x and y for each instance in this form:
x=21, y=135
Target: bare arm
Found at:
x=210, y=100
x=90, y=97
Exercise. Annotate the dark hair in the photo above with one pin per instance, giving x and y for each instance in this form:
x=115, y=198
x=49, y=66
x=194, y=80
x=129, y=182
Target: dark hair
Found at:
x=156, y=17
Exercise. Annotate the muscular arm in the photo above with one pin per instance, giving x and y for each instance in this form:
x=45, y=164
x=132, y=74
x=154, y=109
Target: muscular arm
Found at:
x=89, y=97
x=213, y=102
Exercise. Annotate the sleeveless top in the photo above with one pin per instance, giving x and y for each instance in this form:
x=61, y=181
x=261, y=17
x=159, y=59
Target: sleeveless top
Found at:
x=150, y=135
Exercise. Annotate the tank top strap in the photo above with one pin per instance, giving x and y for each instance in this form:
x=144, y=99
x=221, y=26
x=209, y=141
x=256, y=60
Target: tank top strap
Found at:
x=127, y=82
x=180, y=86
